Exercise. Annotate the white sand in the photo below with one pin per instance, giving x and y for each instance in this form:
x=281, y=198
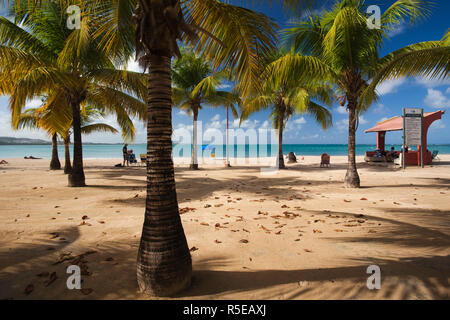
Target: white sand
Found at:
x=322, y=253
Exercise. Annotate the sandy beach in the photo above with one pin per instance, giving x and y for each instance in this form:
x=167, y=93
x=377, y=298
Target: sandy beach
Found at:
x=296, y=234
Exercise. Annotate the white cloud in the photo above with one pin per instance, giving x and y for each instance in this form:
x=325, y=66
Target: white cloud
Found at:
x=432, y=83
x=216, y=117
x=342, y=124
x=437, y=125
x=362, y=120
x=390, y=86
x=6, y=129
x=436, y=99
x=301, y=120
x=182, y=113
x=397, y=30
x=448, y=91
x=265, y=125
x=342, y=110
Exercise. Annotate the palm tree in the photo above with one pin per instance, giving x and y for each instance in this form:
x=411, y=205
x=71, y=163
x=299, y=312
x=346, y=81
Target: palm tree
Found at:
x=231, y=37
x=430, y=59
x=342, y=39
x=194, y=85
x=44, y=118
x=41, y=56
x=288, y=92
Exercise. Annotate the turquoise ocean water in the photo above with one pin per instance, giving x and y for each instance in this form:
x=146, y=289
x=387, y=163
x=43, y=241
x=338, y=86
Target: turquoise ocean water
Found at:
x=115, y=150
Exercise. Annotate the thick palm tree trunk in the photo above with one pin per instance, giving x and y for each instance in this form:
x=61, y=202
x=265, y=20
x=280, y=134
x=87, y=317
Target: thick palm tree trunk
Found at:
x=194, y=159
x=352, y=177
x=67, y=163
x=54, y=163
x=76, y=177
x=164, y=264
x=280, y=143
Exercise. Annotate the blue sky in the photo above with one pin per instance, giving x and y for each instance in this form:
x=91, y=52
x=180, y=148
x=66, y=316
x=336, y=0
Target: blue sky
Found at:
x=430, y=95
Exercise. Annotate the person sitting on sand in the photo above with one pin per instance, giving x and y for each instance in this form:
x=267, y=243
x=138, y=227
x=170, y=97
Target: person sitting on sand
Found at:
x=131, y=157
x=324, y=160
x=125, y=155
x=31, y=158
x=292, y=158
x=3, y=162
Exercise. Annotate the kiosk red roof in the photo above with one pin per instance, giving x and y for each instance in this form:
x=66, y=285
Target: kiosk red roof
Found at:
x=396, y=123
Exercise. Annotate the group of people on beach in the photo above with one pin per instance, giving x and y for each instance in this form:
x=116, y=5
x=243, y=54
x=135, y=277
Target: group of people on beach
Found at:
x=389, y=156
x=128, y=156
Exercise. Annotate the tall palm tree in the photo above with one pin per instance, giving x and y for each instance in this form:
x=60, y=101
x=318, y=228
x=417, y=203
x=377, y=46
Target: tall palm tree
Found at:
x=342, y=39
x=44, y=118
x=288, y=92
x=39, y=56
x=231, y=37
x=194, y=84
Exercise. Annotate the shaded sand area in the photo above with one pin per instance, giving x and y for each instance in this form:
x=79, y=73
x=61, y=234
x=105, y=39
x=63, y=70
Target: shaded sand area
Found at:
x=297, y=234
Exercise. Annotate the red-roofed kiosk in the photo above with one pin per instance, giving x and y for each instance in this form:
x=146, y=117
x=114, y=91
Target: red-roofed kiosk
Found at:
x=396, y=124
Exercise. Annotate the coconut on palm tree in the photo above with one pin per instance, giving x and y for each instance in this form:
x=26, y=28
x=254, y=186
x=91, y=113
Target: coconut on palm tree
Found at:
x=40, y=56
x=342, y=39
x=194, y=85
x=290, y=84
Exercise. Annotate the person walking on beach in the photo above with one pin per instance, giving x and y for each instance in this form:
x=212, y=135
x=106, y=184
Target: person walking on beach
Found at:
x=125, y=155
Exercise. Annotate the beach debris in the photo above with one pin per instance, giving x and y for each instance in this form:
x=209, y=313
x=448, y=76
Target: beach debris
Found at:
x=363, y=199
x=193, y=249
x=372, y=231
x=51, y=279
x=186, y=210
x=346, y=200
x=86, y=291
x=217, y=241
x=296, y=240
x=218, y=205
x=84, y=217
x=396, y=203
x=307, y=250
x=278, y=232
x=264, y=213
x=245, y=230
x=109, y=259
x=207, y=206
x=359, y=216
x=339, y=230
x=284, y=206
x=319, y=220
x=204, y=224
x=243, y=241
x=351, y=225
x=29, y=289
x=317, y=231
x=54, y=235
